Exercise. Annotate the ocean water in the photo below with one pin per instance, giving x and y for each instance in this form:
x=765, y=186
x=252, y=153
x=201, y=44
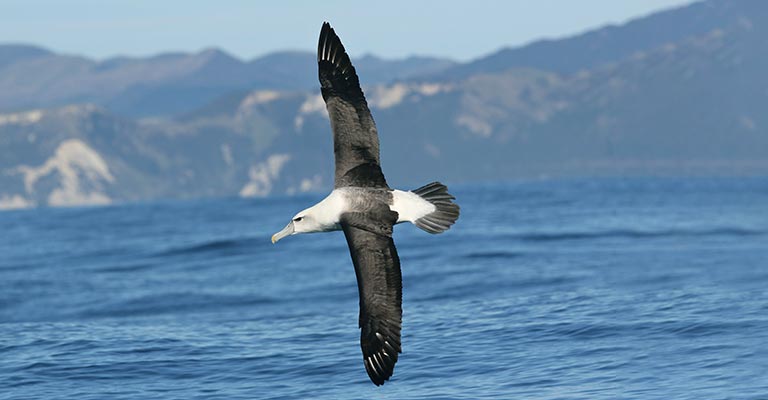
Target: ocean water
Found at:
x=583, y=289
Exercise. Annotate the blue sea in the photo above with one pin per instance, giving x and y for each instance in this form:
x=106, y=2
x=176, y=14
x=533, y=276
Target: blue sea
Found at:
x=559, y=289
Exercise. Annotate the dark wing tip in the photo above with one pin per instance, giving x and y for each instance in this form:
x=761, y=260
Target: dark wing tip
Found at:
x=329, y=47
x=380, y=366
x=325, y=32
x=380, y=353
x=335, y=68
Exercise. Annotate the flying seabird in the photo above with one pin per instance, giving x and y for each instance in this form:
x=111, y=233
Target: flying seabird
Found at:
x=365, y=208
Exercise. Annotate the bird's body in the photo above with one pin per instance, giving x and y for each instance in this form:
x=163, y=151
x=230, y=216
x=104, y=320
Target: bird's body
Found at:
x=366, y=208
x=327, y=213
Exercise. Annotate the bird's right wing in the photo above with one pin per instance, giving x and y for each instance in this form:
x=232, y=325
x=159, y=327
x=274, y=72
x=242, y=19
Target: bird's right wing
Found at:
x=379, y=282
x=355, y=140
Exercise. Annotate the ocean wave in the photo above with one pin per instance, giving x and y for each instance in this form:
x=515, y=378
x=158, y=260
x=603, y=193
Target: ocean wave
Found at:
x=172, y=303
x=229, y=246
x=647, y=328
x=127, y=268
x=634, y=234
x=492, y=255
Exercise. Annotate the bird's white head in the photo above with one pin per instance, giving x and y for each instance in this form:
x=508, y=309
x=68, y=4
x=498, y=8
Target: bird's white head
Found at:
x=303, y=222
x=322, y=217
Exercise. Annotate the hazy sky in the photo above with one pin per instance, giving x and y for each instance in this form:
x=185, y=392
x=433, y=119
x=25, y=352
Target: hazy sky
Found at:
x=395, y=28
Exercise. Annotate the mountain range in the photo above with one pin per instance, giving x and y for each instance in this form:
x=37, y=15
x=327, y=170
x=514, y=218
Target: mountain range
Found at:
x=678, y=92
x=167, y=84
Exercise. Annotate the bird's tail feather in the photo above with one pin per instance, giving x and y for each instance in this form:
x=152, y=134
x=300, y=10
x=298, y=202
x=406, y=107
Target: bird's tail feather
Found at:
x=446, y=212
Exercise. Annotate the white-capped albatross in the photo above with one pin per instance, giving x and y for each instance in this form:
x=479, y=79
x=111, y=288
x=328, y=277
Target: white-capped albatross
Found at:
x=365, y=208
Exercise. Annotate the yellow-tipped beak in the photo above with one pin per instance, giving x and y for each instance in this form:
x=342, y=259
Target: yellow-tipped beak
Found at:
x=288, y=230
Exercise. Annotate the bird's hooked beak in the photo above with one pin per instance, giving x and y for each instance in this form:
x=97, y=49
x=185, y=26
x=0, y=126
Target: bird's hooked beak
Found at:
x=288, y=230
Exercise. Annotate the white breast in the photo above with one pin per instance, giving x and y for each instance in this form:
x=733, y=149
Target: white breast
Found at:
x=410, y=206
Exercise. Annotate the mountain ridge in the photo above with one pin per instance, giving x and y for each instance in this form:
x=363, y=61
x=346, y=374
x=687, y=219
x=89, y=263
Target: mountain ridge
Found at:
x=690, y=107
x=611, y=43
x=169, y=83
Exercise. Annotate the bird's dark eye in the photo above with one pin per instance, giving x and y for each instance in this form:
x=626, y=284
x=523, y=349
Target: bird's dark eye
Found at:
x=297, y=219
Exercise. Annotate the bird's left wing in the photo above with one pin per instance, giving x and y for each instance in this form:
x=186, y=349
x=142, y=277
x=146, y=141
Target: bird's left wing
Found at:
x=379, y=282
x=355, y=139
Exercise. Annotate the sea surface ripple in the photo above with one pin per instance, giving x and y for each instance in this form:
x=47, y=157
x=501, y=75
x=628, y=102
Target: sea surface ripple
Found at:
x=571, y=289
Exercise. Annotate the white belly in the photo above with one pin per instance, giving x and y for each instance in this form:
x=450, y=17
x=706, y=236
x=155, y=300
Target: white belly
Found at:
x=410, y=206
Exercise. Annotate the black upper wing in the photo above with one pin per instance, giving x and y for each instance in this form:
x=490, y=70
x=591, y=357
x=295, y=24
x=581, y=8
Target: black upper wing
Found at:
x=379, y=282
x=355, y=140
